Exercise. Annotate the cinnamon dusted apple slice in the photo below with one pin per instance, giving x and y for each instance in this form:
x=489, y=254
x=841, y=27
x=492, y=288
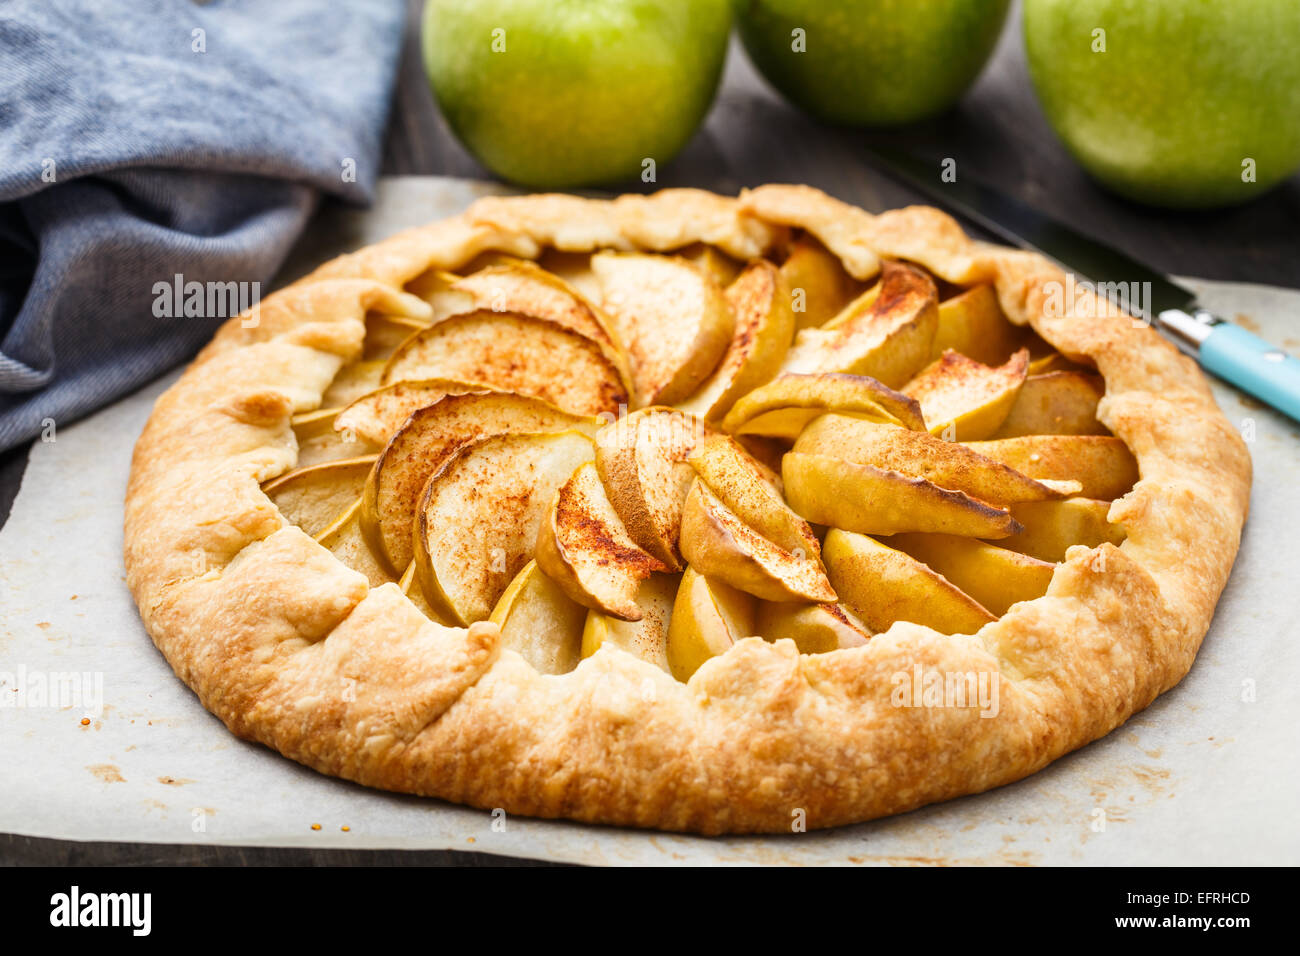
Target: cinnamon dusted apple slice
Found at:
x=743, y=486
x=883, y=586
x=641, y=459
x=973, y=324
x=1102, y=464
x=814, y=628
x=873, y=500
x=514, y=353
x=819, y=286
x=1050, y=528
x=539, y=622
x=646, y=638
x=785, y=405
x=670, y=315
x=992, y=575
x=584, y=548
x=424, y=443
x=920, y=455
x=759, y=300
x=708, y=617
x=313, y=497
x=856, y=308
x=966, y=400
x=716, y=542
x=889, y=339
x=523, y=287
x=377, y=415
x=479, y=516
x=1056, y=403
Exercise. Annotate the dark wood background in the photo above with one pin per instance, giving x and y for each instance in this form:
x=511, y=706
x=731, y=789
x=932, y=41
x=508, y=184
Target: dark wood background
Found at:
x=997, y=135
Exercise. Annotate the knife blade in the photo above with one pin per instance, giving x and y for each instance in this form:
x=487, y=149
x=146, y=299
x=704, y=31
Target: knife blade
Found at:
x=1223, y=348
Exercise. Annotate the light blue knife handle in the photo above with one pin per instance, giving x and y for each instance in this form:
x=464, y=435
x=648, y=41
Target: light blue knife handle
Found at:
x=1253, y=365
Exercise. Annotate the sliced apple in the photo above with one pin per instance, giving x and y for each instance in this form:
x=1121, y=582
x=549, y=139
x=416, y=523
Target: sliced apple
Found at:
x=1056, y=403
x=485, y=260
x=708, y=617
x=525, y=288
x=872, y=500
x=818, y=282
x=743, y=487
x=714, y=261
x=883, y=585
x=345, y=541
x=313, y=497
x=377, y=415
x=920, y=455
x=539, y=622
x=479, y=516
x=429, y=437
x=760, y=302
x=384, y=333
x=856, y=307
x=641, y=459
x=966, y=400
x=647, y=638
x=514, y=353
x=785, y=405
x=352, y=381
x=719, y=544
x=318, y=442
x=574, y=269
x=1102, y=464
x=670, y=315
x=583, y=546
x=890, y=339
x=995, y=577
x=437, y=287
x=415, y=594
x=766, y=453
x=1055, y=362
x=814, y=628
x=1050, y=528
x=973, y=324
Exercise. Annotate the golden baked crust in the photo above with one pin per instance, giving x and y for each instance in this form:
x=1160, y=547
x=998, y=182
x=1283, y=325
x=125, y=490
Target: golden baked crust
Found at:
x=291, y=648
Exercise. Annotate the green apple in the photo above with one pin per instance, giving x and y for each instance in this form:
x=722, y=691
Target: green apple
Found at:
x=871, y=62
x=1170, y=102
x=553, y=94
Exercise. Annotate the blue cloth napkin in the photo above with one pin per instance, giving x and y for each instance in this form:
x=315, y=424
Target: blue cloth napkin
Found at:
x=141, y=140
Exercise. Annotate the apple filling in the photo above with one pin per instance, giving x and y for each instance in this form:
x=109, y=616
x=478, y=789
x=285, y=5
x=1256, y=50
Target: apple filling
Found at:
x=669, y=453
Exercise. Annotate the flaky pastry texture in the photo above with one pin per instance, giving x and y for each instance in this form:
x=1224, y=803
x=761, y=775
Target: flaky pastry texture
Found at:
x=291, y=648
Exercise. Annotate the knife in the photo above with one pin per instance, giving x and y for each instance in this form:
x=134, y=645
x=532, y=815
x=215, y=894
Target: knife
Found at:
x=1223, y=348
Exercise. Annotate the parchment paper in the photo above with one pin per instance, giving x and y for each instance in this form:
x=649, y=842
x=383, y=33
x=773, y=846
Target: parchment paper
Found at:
x=1207, y=775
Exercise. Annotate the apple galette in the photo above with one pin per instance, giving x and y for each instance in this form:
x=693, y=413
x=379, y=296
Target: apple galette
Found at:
x=683, y=511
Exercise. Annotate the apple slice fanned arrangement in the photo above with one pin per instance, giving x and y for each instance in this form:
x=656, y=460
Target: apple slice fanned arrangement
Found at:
x=671, y=453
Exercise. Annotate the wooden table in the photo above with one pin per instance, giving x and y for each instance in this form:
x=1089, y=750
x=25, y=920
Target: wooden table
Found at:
x=997, y=135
